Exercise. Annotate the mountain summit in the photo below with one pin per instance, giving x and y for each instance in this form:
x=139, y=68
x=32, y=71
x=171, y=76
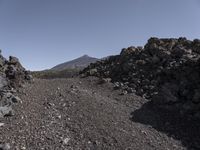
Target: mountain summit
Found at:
x=79, y=63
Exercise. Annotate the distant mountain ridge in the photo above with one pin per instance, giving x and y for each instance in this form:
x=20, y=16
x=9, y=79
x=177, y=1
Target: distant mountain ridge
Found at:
x=78, y=63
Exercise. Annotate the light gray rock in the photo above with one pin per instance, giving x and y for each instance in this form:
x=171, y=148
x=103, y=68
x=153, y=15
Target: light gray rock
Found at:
x=7, y=99
x=5, y=146
x=2, y=124
x=93, y=72
x=6, y=111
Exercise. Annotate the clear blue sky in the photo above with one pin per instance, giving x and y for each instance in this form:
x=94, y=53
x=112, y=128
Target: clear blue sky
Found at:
x=44, y=33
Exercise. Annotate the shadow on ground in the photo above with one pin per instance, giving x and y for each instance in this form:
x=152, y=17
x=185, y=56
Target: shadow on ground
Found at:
x=185, y=129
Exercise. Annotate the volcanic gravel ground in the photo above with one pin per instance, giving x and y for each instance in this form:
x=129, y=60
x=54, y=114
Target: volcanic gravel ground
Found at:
x=75, y=113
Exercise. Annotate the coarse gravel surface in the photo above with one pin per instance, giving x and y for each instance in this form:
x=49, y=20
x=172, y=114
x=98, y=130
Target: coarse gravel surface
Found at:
x=80, y=114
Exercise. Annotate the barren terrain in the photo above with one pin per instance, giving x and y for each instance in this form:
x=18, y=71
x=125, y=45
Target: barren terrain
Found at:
x=78, y=113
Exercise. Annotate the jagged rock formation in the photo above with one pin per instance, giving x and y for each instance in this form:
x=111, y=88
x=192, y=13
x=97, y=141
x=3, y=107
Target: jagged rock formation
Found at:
x=12, y=76
x=165, y=70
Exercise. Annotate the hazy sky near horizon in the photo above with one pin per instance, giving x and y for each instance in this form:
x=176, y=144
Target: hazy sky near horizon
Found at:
x=44, y=33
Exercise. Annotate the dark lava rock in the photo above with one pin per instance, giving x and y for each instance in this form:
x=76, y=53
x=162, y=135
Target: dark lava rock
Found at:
x=166, y=71
x=16, y=73
x=12, y=76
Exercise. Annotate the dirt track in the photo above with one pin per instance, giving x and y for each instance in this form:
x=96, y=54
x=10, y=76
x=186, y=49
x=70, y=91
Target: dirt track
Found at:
x=80, y=114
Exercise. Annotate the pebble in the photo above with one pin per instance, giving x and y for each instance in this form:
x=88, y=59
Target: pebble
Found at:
x=2, y=124
x=23, y=148
x=66, y=140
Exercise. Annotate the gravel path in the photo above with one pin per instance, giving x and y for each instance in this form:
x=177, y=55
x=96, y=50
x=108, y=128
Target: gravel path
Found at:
x=73, y=114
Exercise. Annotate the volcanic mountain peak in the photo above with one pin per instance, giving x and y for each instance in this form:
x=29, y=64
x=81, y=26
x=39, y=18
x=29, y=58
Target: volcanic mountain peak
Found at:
x=79, y=63
x=84, y=56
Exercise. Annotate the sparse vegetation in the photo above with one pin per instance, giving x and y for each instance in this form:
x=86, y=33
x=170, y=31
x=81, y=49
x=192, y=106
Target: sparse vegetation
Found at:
x=51, y=74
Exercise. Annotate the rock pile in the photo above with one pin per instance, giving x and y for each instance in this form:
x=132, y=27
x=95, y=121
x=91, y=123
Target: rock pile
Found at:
x=12, y=76
x=165, y=70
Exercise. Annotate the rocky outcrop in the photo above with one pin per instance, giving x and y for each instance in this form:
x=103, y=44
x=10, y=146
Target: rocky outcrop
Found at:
x=16, y=73
x=167, y=71
x=12, y=76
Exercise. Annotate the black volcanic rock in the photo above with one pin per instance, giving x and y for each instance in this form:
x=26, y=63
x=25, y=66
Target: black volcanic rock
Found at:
x=12, y=76
x=78, y=63
x=165, y=70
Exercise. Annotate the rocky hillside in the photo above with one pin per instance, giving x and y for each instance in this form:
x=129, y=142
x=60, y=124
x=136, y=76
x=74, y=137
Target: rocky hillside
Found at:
x=12, y=76
x=167, y=71
x=78, y=63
